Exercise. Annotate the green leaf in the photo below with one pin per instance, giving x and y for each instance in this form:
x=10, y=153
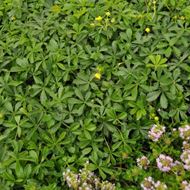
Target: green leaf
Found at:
x=116, y=96
x=185, y=67
x=163, y=101
x=153, y=96
x=91, y=127
x=79, y=94
x=86, y=151
x=87, y=135
x=8, y=106
x=43, y=97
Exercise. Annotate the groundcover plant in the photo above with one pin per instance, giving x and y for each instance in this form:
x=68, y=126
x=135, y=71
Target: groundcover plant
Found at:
x=94, y=94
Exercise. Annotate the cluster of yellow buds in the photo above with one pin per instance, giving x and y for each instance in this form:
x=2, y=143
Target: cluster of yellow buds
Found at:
x=179, y=17
x=154, y=117
x=182, y=17
x=100, y=18
x=103, y=20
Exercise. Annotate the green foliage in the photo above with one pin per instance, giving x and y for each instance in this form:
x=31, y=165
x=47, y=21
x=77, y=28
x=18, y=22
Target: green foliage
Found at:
x=56, y=112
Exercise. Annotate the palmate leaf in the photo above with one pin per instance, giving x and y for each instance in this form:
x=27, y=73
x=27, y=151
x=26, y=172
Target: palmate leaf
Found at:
x=117, y=96
x=55, y=115
x=152, y=96
x=163, y=101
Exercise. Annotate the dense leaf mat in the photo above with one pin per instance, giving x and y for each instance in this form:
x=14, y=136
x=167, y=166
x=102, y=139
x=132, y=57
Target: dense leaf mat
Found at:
x=85, y=80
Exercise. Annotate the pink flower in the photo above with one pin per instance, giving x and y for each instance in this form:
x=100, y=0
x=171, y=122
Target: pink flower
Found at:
x=164, y=163
x=186, y=145
x=177, y=167
x=185, y=132
x=156, y=132
x=160, y=186
x=185, y=156
x=185, y=185
x=148, y=184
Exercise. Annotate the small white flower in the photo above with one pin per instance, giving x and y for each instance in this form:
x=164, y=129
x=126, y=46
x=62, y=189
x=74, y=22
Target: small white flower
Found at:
x=143, y=162
x=185, y=132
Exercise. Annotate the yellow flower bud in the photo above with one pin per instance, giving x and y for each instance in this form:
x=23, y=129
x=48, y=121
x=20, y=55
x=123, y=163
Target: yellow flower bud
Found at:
x=97, y=76
x=182, y=17
x=147, y=30
x=156, y=118
x=13, y=18
x=56, y=9
x=125, y=155
x=112, y=20
x=108, y=13
x=99, y=18
x=100, y=69
x=92, y=24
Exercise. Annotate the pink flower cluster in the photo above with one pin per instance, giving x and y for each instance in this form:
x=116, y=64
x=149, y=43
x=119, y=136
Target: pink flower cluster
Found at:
x=164, y=163
x=185, y=157
x=177, y=167
x=150, y=184
x=143, y=162
x=156, y=132
x=185, y=132
x=186, y=145
x=160, y=186
x=185, y=185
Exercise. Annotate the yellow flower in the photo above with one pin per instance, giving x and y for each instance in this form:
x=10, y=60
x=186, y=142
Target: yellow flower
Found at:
x=99, y=18
x=182, y=17
x=97, y=76
x=13, y=18
x=92, y=24
x=112, y=20
x=56, y=9
x=108, y=13
x=147, y=30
